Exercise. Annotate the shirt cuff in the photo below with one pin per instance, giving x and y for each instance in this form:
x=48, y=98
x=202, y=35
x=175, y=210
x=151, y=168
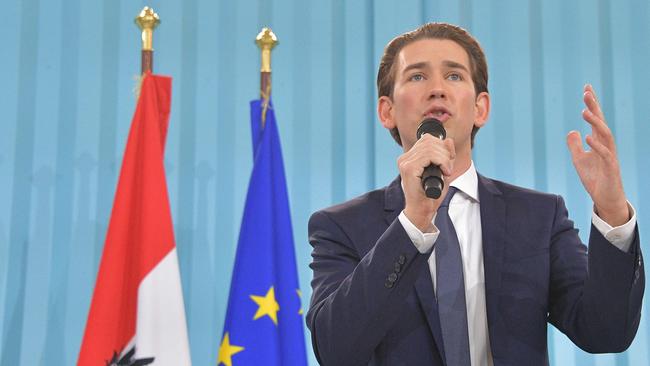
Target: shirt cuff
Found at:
x=422, y=241
x=620, y=236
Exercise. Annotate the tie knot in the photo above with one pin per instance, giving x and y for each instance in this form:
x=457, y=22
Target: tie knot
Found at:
x=450, y=193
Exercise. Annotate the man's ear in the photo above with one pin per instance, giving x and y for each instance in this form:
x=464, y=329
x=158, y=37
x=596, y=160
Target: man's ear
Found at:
x=482, y=110
x=385, y=112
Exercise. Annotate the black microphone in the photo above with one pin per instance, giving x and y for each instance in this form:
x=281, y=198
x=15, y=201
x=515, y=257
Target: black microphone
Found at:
x=432, y=182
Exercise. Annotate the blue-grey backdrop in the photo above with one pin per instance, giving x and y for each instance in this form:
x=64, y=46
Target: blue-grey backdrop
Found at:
x=66, y=100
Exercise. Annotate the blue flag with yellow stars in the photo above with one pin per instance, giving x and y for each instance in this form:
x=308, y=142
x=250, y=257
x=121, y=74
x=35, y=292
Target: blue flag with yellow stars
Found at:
x=264, y=321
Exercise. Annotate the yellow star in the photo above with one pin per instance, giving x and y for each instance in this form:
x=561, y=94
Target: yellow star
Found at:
x=268, y=306
x=299, y=298
x=227, y=350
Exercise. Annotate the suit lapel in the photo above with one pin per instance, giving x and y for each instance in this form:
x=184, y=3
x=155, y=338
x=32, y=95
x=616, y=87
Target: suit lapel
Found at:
x=393, y=200
x=493, y=224
x=393, y=205
x=424, y=289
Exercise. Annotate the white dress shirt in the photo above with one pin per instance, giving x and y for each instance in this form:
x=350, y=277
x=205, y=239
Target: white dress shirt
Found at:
x=465, y=214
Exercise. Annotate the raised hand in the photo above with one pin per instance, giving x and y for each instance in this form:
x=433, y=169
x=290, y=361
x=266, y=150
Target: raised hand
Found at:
x=598, y=168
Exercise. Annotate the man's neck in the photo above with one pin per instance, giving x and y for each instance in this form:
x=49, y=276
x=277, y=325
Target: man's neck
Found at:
x=461, y=164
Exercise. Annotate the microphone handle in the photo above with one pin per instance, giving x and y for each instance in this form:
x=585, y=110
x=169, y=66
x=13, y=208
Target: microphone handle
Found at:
x=432, y=182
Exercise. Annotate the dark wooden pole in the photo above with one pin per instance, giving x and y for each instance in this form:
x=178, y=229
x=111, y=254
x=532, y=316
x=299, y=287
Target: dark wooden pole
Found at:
x=147, y=61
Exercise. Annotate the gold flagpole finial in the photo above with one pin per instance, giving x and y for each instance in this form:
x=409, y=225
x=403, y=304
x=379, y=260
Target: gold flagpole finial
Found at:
x=266, y=40
x=147, y=20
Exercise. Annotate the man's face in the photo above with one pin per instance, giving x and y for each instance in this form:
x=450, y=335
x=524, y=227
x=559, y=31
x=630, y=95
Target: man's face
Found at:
x=433, y=79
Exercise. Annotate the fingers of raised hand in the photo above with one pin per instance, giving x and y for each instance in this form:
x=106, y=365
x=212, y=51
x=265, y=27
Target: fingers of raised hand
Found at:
x=600, y=130
x=589, y=97
x=598, y=125
x=599, y=148
x=574, y=142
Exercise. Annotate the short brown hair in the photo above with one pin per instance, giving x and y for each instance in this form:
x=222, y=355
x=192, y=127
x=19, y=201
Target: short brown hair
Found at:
x=477, y=62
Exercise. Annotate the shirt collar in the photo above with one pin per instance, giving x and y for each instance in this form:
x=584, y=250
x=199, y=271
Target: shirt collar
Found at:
x=468, y=182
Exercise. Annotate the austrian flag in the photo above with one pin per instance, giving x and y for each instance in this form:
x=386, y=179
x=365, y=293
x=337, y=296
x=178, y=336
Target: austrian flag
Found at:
x=137, y=316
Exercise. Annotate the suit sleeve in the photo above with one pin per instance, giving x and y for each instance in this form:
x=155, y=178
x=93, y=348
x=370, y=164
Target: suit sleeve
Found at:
x=356, y=299
x=595, y=298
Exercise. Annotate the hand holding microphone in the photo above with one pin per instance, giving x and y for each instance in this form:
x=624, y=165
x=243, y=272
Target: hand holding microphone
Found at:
x=432, y=182
x=422, y=168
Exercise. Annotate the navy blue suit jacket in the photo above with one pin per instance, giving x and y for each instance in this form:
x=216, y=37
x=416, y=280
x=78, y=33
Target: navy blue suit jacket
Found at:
x=536, y=271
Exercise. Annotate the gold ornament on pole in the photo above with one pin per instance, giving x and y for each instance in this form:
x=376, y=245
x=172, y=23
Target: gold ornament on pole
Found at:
x=265, y=40
x=147, y=21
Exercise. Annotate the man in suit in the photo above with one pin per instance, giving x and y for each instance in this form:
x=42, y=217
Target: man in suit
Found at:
x=402, y=279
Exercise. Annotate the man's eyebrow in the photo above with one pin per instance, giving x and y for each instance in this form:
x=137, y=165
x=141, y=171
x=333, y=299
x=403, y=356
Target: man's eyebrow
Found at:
x=423, y=65
x=417, y=65
x=455, y=65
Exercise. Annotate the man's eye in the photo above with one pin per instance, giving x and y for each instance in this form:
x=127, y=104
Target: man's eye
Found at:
x=417, y=77
x=454, y=77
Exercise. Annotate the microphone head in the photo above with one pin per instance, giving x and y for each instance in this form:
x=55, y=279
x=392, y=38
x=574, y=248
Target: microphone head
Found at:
x=433, y=127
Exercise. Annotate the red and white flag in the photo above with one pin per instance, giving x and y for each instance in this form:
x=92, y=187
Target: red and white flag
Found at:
x=137, y=316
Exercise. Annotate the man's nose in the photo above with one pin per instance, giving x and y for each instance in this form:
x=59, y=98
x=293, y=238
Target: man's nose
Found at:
x=436, y=89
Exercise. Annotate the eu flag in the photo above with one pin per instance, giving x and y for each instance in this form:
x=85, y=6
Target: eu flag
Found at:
x=264, y=323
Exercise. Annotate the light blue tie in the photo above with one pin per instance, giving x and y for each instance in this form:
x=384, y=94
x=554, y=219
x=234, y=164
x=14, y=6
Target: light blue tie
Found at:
x=450, y=288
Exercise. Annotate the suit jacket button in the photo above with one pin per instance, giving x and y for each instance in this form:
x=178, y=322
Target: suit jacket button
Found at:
x=398, y=268
x=392, y=277
x=389, y=284
x=402, y=259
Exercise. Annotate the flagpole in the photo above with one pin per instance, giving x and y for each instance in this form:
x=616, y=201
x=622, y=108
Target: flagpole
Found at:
x=147, y=21
x=265, y=40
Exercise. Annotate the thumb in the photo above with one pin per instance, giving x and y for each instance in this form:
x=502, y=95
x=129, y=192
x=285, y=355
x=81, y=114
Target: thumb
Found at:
x=574, y=142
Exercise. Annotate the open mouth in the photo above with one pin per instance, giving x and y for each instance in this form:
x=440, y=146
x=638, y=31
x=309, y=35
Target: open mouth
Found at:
x=439, y=114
